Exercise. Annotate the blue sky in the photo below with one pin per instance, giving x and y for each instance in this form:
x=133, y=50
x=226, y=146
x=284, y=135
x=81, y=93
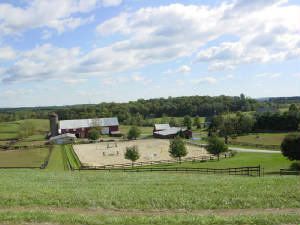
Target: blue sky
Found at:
x=64, y=52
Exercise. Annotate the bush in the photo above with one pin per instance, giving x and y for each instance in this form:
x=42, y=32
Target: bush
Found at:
x=290, y=146
x=93, y=134
x=132, y=154
x=295, y=166
x=216, y=147
x=134, y=133
x=233, y=153
x=177, y=148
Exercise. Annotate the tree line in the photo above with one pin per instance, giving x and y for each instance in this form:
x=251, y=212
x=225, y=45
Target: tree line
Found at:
x=134, y=112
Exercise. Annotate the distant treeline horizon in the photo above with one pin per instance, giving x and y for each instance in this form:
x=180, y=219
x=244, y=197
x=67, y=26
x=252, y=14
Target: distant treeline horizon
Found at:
x=146, y=109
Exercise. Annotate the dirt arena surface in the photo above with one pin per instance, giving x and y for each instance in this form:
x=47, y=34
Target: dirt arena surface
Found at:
x=106, y=153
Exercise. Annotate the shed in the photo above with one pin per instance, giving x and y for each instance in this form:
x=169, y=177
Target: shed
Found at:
x=63, y=139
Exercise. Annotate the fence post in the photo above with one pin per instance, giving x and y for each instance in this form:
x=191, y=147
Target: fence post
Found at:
x=259, y=170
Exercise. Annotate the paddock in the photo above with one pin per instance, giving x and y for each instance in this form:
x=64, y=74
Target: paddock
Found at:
x=107, y=153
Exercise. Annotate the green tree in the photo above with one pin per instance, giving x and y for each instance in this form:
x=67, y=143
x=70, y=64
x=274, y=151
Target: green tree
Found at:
x=133, y=133
x=216, y=147
x=197, y=122
x=132, y=153
x=93, y=134
x=177, y=148
x=290, y=146
x=173, y=122
x=26, y=129
x=187, y=121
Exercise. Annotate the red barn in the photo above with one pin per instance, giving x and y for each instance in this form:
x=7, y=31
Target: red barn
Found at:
x=81, y=127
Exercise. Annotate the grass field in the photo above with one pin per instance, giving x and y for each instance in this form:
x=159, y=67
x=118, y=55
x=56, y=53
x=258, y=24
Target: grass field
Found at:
x=261, y=138
x=23, y=158
x=145, y=131
x=56, y=162
x=145, y=191
x=270, y=162
x=51, y=218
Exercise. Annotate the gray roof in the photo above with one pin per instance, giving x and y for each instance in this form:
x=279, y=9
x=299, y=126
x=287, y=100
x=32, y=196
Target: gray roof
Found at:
x=172, y=130
x=62, y=136
x=162, y=126
x=83, y=123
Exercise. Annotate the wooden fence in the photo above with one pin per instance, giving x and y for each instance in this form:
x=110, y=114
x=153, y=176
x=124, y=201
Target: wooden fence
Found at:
x=238, y=171
x=289, y=172
x=147, y=163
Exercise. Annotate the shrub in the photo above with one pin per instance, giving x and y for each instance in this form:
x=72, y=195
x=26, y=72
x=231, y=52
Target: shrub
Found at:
x=134, y=133
x=177, y=148
x=93, y=134
x=290, y=146
x=132, y=153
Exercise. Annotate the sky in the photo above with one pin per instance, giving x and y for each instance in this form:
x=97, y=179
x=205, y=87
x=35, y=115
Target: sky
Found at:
x=64, y=52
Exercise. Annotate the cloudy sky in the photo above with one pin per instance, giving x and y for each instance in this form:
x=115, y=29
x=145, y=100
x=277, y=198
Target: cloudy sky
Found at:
x=63, y=52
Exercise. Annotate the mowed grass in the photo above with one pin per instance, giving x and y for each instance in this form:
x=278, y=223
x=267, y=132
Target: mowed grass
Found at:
x=56, y=162
x=8, y=135
x=261, y=138
x=42, y=217
x=271, y=162
x=145, y=131
x=23, y=158
x=145, y=191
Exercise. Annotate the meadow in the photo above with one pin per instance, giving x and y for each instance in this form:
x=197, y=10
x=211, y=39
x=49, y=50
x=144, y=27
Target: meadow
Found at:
x=23, y=158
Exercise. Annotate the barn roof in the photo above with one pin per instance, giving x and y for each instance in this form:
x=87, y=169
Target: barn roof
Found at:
x=172, y=130
x=162, y=126
x=62, y=136
x=83, y=123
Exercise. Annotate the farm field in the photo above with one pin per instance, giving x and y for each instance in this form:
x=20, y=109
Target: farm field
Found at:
x=261, y=138
x=56, y=162
x=106, y=153
x=23, y=158
x=146, y=198
x=272, y=163
x=145, y=131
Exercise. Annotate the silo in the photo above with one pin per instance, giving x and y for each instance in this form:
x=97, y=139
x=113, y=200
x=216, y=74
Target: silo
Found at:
x=54, y=124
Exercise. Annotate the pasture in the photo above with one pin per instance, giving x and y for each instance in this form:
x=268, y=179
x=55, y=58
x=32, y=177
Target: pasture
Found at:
x=106, y=153
x=23, y=158
x=261, y=138
x=272, y=163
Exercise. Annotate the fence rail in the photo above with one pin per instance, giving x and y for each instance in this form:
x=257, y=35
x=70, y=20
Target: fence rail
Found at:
x=289, y=172
x=147, y=163
x=239, y=171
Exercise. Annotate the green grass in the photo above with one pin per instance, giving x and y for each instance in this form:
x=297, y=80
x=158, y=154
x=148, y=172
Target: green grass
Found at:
x=8, y=135
x=56, y=160
x=9, y=127
x=74, y=161
x=264, y=138
x=72, y=218
x=270, y=162
x=144, y=130
x=40, y=124
x=145, y=191
x=36, y=137
x=23, y=158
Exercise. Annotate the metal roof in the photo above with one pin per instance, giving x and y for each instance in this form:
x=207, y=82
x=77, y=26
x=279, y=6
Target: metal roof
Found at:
x=83, y=123
x=162, y=126
x=172, y=130
x=62, y=136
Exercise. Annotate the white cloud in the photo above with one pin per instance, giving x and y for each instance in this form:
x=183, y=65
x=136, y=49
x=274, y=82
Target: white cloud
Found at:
x=184, y=69
x=55, y=14
x=108, y=3
x=268, y=75
x=229, y=76
x=17, y=92
x=46, y=34
x=156, y=34
x=210, y=80
x=7, y=53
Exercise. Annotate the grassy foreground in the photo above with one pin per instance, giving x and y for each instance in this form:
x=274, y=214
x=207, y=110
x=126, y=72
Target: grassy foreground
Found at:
x=23, y=158
x=145, y=191
x=69, y=218
x=271, y=163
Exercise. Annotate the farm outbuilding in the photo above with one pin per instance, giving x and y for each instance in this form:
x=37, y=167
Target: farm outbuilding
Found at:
x=63, y=139
x=164, y=131
x=81, y=127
